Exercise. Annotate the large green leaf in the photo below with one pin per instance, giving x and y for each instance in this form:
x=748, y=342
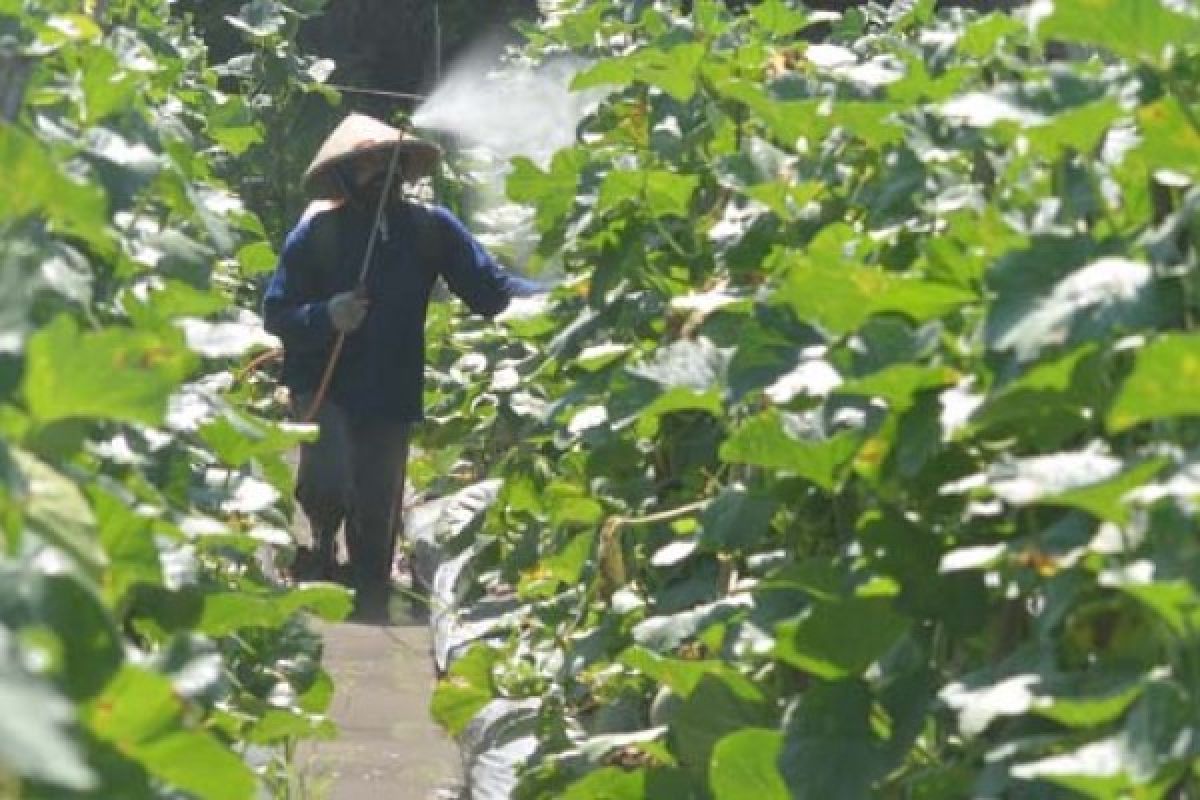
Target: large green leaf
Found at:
x=70, y=373
x=1141, y=30
x=552, y=191
x=465, y=690
x=1152, y=389
x=128, y=539
x=680, y=675
x=1054, y=395
x=35, y=739
x=140, y=714
x=899, y=385
x=1142, y=760
x=829, y=750
x=1107, y=296
x=671, y=69
x=736, y=521
x=715, y=708
x=659, y=192
x=763, y=441
x=616, y=783
x=56, y=509
x=840, y=298
x=744, y=766
x=89, y=645
x=676, y=400
x=780, y=18
x=840, y=637
x=36, y=185
x=226, y=612
x=1171, y=136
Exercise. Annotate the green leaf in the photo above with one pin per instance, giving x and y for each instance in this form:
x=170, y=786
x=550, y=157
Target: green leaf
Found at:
x=1176, y=602
x=694, y=364
x=1051, y=388
x=617, y=783
x=899, y=385
x=673, y=70
x=659, y=192
x=1142, y=760
x=716, y=708
x=743, y=766
x=568, y=564
x=465, y=690
x=1106, y=500
x=676, y=400
x=91, y=647
x=1152, y=389
x=238, y=438
x=779, y=19
x=764, y=442
x=128, y=539
x=259, y=18
x=736, y=521
x=107, y=88
x=840, y=637
x=70, y=373
x=789, y=121
x=552, y=192
x=36, y=184
x=829, y=750
x=35, y=740
x=278, y=726
x=1141, y=30
x=1089, y=704
x=680, y=675
x=198, y=764
x=1080, y=130
x=1170, y=137
x=174, y=299
x=840, y=298
x=257, y=258
x=226, y=612
x=1107, y=296
x=56, y=509
x=981, y=38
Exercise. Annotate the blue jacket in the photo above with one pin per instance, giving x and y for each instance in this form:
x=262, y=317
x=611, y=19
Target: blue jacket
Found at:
x=381, y=369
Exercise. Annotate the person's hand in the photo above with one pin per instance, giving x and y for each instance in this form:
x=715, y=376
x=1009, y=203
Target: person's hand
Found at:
x=347, y=310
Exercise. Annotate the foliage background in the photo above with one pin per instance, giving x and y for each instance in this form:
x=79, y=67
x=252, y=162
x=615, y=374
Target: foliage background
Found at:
x=853, y=457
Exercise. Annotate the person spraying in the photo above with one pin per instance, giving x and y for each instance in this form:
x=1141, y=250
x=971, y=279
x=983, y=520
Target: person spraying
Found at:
x=348, y=299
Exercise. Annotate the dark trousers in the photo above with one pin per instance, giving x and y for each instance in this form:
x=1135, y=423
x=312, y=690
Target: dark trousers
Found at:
x=354, y=474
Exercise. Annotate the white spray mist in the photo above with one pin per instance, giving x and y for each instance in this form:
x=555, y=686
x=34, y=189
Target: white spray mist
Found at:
x=500, y=109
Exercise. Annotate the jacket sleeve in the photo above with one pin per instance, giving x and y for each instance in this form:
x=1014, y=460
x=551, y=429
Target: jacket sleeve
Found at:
x=472, y=273
x=292, y=309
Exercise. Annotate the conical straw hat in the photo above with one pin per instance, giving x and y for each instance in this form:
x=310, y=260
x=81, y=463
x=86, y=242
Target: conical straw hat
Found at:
x=358, y=134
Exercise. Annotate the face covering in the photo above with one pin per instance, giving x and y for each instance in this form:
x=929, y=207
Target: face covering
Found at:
x=367, y=194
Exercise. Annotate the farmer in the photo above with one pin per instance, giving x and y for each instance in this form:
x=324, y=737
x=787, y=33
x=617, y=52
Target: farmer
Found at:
x=360, y=266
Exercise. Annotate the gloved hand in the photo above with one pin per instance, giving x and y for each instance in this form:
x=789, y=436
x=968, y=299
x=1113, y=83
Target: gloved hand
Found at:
x=347, y=310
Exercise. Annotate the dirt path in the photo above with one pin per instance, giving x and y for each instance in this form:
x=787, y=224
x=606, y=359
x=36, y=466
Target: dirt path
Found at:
x=389, y=748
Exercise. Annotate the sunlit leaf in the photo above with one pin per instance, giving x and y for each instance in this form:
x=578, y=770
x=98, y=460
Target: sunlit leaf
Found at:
x=1152, y=389
x=70, y=373
x=1137, y=29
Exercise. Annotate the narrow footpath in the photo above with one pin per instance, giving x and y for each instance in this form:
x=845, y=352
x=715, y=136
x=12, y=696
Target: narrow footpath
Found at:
x=389, y=748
